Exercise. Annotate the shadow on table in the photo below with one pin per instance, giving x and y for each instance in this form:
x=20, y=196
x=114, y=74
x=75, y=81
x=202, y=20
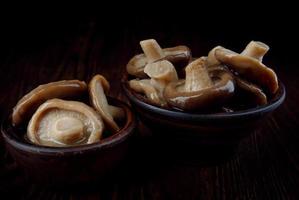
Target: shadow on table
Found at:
x=149, y=157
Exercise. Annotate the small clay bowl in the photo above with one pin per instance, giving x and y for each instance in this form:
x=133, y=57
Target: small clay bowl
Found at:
x=69, y=165
x=200, y=129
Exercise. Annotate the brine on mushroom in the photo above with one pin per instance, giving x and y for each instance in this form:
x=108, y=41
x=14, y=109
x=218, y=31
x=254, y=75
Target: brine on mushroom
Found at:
x=61, y=123
x=211, y=59
x=161, y=73
x=257, y=93
x=145, y=87
x=27, y=105
x=201, y=88
x=249, y=67
x=179, y=55
x=210, y=82
x=64, y=123
x=98, y=86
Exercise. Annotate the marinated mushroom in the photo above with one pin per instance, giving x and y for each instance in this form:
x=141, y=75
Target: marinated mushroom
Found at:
x=145, y=87
x=136, y=66
x=161, y=73
x=211, y=59
x=257, y=94
x=27, y=105
x=116, y=112
x=256, y=49
x=201, y=88
x=152, y=50
x=64, y=123
x=249, y=67
x=98, y=86
x=224, y=80
x=179, y=55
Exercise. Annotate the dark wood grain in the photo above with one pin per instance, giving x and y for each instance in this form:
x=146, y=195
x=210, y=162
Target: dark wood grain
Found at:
x=265, y=166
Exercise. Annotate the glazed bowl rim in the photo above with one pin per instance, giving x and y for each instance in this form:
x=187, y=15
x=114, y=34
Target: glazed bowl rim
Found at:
x=108, y=142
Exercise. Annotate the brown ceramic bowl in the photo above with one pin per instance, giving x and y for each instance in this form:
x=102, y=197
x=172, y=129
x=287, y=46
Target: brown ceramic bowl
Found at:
x=200, y=129
x=85, y=163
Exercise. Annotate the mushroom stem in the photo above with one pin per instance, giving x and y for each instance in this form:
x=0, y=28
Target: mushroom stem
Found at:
x=178, y=55
x=197, y=76
x=116, y=112
x=152, y=50
x=255, y=50
x=221, y=89
x=161, y=73
x=211, y=59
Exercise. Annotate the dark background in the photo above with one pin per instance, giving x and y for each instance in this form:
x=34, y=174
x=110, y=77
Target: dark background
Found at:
x=27, y=31
x=54, y=42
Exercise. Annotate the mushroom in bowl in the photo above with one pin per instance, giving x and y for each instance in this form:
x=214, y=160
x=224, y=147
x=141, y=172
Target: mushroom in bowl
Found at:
x=56, y=129
x=219, y=99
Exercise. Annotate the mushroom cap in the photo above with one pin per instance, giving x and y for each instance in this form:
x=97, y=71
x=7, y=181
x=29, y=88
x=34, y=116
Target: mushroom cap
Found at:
x=257, y=93
x=136, y=66
x=64, y=123
x=101, y=79
x=250, y=68
x=178, y=55
x=222, y=89
x=162, y=70
x=99, y=101
x=27, y=105
x=145, y=86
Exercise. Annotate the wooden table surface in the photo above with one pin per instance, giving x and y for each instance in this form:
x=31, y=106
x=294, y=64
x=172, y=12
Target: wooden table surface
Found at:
x=265, y=166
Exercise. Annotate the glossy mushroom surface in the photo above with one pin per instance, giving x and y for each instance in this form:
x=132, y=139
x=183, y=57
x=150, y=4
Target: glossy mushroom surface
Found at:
x=214, y=83
x=70, y=164
x=55, y=122
x=178, y=55
x=256, y=93
x=256, y=49
x=145, y=87
x=250, y=68
x=160, y=74
x=27, y=105
x=200, y=89
x=97, y=87
x=64, y=123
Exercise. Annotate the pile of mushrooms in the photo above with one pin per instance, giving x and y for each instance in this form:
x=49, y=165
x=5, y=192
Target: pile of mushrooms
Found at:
x=209, y=82
x=60, y=123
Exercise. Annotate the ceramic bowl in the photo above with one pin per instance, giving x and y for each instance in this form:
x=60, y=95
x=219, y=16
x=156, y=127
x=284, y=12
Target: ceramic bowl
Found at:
x=201, y=129
x=69, y=165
